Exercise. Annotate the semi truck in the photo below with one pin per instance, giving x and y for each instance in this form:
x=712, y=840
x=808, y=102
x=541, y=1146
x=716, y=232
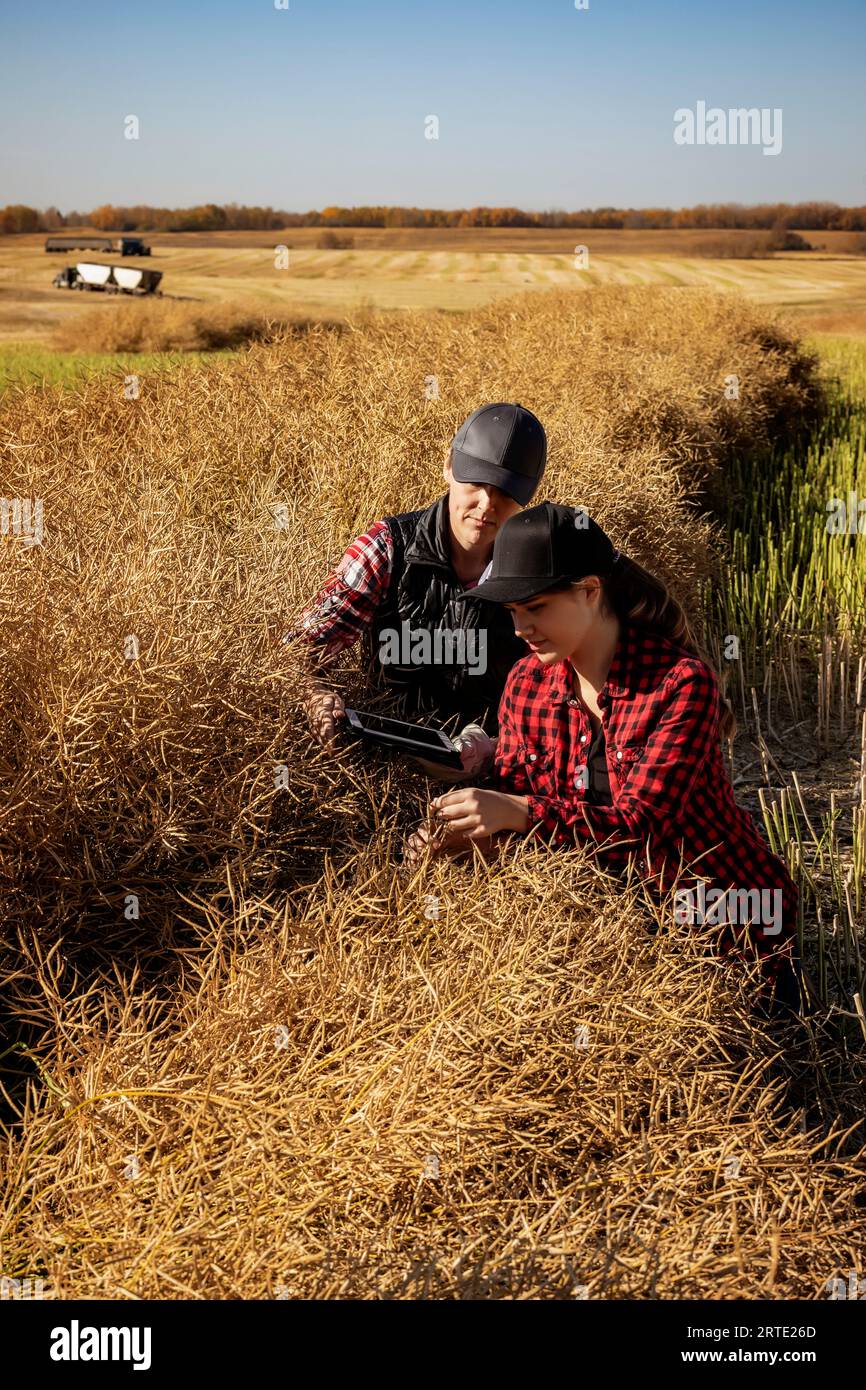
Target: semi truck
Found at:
x=122, y=246
x=112, y=279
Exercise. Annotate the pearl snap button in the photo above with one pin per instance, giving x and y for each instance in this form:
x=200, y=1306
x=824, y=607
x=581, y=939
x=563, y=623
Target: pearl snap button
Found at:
x=532, y=757
x=619, y=755
x=583, y=738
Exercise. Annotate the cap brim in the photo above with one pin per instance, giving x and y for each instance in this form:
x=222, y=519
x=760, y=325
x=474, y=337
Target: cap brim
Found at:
x=467, y=469
x=517, y=590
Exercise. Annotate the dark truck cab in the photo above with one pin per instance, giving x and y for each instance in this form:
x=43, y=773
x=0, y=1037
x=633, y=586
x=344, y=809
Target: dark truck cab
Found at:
x=131, y=246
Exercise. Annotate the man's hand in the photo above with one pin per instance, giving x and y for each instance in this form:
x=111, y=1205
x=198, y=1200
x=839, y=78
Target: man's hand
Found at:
x=477, y=814
x=324, y=710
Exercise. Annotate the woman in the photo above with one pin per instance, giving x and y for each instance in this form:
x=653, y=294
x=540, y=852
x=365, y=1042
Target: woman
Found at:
x=609, y=738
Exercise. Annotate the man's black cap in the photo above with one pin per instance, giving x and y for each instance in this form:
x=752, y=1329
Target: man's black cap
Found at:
x=502, y=444
x=541, y=547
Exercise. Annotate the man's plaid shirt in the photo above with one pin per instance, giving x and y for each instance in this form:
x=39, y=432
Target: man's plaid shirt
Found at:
x=344, y=607
x=673, y=804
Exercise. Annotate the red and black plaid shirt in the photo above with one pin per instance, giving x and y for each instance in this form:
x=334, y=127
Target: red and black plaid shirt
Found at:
x=346, y=604
x=344, y=608
x=673, y=804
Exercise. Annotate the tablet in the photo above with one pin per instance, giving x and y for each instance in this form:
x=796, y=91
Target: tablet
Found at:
x=431, y=744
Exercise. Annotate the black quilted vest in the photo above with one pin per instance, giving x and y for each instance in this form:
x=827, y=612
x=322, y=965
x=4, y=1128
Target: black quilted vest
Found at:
x=425, y=592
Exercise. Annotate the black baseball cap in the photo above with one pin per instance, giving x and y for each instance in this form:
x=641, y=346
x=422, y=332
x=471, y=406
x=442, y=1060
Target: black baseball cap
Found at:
x=503, y=444
x=541, y=547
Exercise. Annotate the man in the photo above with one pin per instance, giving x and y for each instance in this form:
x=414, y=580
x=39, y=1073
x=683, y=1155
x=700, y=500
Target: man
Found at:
x=400, y=589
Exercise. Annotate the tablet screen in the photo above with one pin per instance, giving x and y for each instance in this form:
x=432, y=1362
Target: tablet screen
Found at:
x=378, y=724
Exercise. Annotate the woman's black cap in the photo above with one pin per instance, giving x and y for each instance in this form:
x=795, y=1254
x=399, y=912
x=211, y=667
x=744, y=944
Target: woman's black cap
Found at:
x=541, y=547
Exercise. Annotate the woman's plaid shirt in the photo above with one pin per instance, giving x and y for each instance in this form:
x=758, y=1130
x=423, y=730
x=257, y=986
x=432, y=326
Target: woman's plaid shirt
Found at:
x=673, y=804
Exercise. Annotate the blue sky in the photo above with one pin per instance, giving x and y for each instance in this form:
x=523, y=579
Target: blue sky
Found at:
x=539, y=105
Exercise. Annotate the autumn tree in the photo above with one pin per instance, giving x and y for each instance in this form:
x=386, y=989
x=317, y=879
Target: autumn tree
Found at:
x=18, y=218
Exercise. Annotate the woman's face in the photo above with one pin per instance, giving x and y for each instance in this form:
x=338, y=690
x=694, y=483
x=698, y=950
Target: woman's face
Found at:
x=554, y=626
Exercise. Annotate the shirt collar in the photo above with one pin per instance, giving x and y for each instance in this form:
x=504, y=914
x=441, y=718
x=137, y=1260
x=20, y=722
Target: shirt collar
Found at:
x=430, y=544
x=618, y=677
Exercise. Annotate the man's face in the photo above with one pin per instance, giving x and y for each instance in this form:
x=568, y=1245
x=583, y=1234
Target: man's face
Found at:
x=476, y=511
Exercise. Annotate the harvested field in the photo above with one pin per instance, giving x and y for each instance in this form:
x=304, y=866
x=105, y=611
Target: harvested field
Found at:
x=453, y=269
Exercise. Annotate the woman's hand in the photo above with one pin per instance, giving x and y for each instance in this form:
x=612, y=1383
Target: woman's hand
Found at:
x=477, y=814
x=464, y=819
x=423, y=840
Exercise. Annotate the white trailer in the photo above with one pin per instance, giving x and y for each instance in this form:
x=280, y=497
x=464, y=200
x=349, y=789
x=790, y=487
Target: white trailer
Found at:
x=94, y=274
x=111, y=279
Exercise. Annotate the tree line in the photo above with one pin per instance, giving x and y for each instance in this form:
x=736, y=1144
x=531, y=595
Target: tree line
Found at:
x=212, y=217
